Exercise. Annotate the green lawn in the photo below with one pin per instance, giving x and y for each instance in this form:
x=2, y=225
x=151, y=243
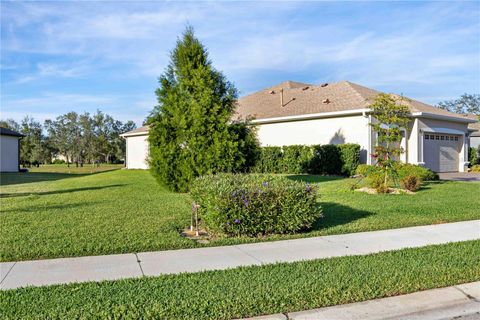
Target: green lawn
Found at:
x=250, y=291
x=47, y=215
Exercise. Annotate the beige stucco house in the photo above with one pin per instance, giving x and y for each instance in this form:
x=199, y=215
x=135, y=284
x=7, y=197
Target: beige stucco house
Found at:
x=9, y=150
x=137, y=148
x=299, y=113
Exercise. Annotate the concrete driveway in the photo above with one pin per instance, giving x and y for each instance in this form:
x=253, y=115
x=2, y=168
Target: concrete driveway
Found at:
x=460, y=176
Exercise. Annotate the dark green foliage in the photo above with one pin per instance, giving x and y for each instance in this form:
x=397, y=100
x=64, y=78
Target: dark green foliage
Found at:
x=473, y=156
x=467, y=103
x=350, y=156
x=250, y=291
x=248, y=153
x=189, y=129
x=270, y=160
x=317, y=159
x=296, y=159
x=249, y=204
x=326, y=160
x=58, y=161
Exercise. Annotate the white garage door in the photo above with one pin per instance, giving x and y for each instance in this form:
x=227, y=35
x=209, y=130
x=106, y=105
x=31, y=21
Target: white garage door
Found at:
x=441, y=151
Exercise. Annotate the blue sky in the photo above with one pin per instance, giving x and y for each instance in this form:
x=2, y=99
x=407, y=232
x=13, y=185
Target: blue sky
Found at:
x=82, y=56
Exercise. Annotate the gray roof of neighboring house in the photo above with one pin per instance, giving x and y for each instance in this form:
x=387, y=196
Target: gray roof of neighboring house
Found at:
x=475, y=127
x=303, y=99
x=136, y=132
x=8, y=132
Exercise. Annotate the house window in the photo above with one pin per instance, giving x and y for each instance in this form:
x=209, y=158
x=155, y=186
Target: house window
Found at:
x=456, y=138
x=437, y=138
x=432, y=137
x=426, y=137
x=442, y=137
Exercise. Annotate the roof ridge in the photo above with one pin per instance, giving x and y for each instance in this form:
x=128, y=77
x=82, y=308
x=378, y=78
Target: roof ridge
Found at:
x=351, y=86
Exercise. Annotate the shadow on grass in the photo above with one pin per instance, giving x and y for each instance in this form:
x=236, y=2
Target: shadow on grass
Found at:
x=310, y=178
x=63, y=207
x=335, y=214
x=29, y=177
x=42, y=193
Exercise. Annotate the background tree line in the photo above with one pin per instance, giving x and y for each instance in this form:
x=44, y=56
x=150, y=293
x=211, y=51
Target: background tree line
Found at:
x=79, y=138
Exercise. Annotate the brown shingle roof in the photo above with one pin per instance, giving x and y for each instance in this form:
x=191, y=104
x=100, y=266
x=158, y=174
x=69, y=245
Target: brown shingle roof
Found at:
x=303, y=99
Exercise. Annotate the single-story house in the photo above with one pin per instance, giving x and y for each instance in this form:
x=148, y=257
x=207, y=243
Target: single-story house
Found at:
x=299, y=113
x=9, y=150
x=137, y=148
x=474, y=129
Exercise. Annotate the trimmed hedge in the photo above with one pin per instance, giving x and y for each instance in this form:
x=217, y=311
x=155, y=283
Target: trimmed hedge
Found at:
x=317, y=159
x=252, y=205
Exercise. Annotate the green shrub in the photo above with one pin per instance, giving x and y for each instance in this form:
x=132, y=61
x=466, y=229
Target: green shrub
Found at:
x=295, y=159
x=365, y=170
x=424, y=174
x=403, y=170
x=252, y=204
x=374, y=180
x=411, y=183
x=476, y=168
x=58, y=161
x=473, y=156
x=316, y=159
x=350, y=155
x=326, y=159
x=269, y=160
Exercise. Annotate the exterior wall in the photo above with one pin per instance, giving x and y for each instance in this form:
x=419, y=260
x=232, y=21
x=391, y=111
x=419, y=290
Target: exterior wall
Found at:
x=475, y=142
x=137, y=152
x=9, y=153
x=430, y=125
x=352, y=129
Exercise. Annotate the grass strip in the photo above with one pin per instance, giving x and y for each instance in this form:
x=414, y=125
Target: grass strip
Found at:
x=250, y=291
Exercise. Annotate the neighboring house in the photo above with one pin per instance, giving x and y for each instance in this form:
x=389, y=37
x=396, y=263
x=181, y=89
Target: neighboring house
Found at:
x=474, y=129
x=137, y=148
x=299, y=113
x=9, y=150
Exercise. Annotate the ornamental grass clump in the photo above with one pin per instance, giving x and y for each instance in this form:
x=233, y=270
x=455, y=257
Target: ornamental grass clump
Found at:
x=254, y=205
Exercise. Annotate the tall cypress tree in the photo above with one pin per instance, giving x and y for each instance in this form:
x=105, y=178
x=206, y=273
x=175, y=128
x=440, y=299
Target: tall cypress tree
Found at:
x=189, y=128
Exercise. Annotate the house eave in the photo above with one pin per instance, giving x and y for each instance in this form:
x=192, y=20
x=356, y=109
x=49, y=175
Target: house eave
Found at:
x=127, y=135
x=334, y=114
x=434, y=116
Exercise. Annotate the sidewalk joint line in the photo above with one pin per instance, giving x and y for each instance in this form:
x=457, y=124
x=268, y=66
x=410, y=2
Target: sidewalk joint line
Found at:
x=8, y=272
x=467, y=295
x=139, y=264
x=248, y=254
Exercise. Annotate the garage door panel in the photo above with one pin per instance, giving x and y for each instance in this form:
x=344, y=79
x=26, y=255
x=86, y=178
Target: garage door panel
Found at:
x=441, y=152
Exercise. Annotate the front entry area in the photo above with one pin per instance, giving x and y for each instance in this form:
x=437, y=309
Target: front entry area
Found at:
x=441, y=151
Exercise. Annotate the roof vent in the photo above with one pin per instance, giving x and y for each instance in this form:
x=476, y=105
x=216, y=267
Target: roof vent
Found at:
x=326, y=101
x=324, y=85
x=305, y=88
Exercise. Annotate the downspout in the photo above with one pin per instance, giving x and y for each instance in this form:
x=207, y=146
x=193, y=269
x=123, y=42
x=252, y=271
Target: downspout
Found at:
x=18, y=149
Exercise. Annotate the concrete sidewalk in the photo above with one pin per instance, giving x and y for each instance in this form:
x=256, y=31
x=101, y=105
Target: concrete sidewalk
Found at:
x=112, y=267
x=456, y=302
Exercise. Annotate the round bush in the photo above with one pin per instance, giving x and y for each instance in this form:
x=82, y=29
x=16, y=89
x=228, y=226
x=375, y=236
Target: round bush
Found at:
x=254, y=205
